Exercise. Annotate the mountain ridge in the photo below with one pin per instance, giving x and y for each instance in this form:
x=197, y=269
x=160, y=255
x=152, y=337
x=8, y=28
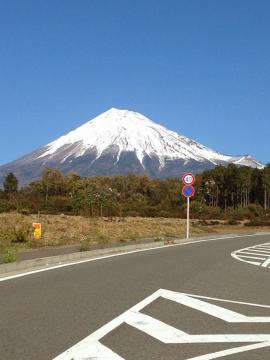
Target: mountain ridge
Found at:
x=117, y=142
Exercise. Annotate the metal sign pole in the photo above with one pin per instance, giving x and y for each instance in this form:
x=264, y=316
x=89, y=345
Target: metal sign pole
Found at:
x=188, y=191
x=187, y=218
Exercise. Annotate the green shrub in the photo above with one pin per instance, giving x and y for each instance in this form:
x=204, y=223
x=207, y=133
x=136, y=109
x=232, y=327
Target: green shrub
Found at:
x=4, y=206
x=240, y=213
x=233, y=221
x=103, y=240
x=6, y=236
x=25, y=211
x=99, y=233
x=9, y=255
x=201, y=223
x=257, y=222
x=255, y=210
x=19, y=233
x=131, y=235
x=158, y=239
x=84, y=247
x=213, y=222
x=208, y=212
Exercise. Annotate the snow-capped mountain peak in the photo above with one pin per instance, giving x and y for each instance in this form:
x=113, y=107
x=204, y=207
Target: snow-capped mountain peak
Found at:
x=131, y=131
x=118, y=142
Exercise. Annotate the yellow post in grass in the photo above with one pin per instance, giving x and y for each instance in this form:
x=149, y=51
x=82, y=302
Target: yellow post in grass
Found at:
x=37, y=230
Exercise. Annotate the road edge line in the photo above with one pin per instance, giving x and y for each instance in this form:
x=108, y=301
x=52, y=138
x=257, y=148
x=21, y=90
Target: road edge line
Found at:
x=6, y=277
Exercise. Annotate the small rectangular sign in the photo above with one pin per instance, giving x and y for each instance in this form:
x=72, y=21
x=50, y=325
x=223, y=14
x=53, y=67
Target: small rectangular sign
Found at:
x=37, y=230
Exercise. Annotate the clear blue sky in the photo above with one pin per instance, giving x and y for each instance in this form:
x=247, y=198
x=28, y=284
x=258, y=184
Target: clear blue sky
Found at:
x=201, y=68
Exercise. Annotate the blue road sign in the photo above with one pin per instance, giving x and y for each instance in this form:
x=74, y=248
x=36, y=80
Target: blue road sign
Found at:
x=188, y=191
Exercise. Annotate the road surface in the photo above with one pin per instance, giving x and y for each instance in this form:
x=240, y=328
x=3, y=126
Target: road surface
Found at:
x=169, y=303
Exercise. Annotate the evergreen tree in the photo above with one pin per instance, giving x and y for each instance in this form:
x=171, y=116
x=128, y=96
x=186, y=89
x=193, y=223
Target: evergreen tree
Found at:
x=10, y=184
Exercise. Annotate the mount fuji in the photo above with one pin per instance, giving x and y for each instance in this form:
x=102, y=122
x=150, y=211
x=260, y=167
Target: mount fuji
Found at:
x=119, y=142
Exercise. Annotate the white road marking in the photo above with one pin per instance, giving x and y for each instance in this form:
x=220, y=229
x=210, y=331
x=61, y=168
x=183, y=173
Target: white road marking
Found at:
x=91, y=348
x=250, y=262
x=213, y=310
x=266, y=263
x=253, y=252
x=155, y=328
x=259, y=252
x=236, y=350
x=264, y=247
x=27, y=273
x=251, y=257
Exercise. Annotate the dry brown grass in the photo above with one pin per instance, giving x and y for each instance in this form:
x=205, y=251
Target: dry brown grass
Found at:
x=68, y=230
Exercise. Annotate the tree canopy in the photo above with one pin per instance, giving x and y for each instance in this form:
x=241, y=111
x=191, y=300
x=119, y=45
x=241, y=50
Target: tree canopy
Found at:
x=218, y=192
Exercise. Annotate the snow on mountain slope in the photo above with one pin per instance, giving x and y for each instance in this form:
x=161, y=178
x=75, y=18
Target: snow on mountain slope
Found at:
x=131, y=131
x=246, y=160
x=119, y=142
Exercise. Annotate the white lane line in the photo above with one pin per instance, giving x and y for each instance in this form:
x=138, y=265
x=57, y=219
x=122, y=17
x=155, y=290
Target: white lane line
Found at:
x=253, y=253
x=219, y=299
x=252, y=247
x=256, y=252
x=246, y=261
x=262, y=247
x=155, y=328
x=79, y=351
x=229, y=316
x=263, y=250
x=259, y=251
x=236, y=350
x=245, y=252
x=257, y=248
x=266, y=263
x=251, y=262
x=27, y=273
x=210, y=309
x=89, y=348
x=101, y=353
x=251, y=257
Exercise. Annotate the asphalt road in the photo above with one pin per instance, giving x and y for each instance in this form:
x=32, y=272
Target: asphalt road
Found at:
x=44, y=314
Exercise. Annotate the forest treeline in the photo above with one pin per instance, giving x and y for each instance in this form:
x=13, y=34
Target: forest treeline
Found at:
x=222, y=192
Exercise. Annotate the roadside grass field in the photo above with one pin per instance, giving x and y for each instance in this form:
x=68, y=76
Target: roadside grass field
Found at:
x=16, y=230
